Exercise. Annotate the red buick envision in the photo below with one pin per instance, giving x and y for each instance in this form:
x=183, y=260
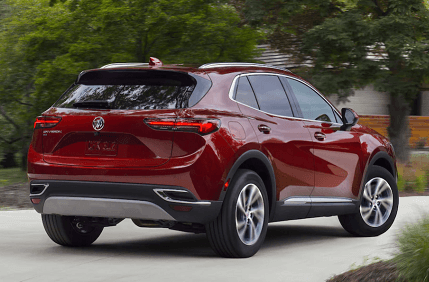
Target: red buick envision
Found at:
x=222, y=148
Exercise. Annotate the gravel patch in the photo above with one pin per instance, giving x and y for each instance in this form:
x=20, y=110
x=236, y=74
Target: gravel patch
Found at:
x=15, y=196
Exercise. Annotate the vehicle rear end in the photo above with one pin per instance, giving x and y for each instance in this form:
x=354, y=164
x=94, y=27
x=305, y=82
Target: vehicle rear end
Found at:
x=106, y=149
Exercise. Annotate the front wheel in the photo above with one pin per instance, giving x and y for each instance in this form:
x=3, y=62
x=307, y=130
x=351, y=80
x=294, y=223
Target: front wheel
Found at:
x=378, y=207
x=240, y=228
x=70, y=231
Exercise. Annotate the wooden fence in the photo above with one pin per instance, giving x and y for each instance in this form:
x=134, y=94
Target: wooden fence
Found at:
x=419, y=126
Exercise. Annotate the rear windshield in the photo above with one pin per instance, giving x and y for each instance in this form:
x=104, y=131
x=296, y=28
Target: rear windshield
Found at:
x=135, y=90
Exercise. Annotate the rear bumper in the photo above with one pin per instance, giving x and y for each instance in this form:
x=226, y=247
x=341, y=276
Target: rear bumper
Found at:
x=121, y=200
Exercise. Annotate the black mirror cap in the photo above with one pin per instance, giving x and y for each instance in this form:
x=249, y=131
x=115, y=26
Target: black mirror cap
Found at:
x=349, y=118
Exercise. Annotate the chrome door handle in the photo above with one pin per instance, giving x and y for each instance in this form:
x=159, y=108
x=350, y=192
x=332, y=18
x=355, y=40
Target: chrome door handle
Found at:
x=319, y=136
x=264, y=129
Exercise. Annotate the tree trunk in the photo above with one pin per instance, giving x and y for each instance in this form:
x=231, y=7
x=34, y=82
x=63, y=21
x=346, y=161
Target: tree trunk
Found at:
x=399, y=131
x=8, y=160
x=139, y=50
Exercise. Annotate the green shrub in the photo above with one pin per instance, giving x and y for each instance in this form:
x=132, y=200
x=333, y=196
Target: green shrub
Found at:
x=413, y=176
x=413, y=257
x=401, y=182
x=9, y=176
x=420, y=183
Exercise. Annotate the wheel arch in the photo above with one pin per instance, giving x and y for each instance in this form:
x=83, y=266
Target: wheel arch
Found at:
x=258, y=162
x=381, y=159
x=385, y=161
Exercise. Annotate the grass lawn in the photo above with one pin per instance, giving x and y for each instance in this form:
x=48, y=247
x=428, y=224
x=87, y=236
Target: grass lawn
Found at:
x=9, y=176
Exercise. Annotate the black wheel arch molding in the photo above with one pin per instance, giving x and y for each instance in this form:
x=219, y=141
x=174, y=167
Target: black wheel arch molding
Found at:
x=382, y=159
x=269, y=177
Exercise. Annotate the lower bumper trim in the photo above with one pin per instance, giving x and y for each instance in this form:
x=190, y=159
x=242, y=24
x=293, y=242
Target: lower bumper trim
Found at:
x=101, y=207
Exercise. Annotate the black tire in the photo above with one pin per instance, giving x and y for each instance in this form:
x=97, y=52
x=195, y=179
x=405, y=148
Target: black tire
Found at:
x=223, y=232
x=62, y=231
x=355, y=223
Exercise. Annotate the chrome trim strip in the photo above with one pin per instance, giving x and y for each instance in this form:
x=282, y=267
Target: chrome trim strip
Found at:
x=331, y=200
x=43, y=191
x=217, y=65
x=100, y=207
x=231, y=94
x=159, y=192
x=297, y=200
x=316, y=200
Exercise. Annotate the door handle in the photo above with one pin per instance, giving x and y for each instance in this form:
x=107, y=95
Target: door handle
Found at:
x=319, y=136
x=264, y=129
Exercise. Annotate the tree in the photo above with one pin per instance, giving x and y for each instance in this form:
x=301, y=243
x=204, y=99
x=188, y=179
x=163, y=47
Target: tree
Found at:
x=46, y=43
x=351, y=44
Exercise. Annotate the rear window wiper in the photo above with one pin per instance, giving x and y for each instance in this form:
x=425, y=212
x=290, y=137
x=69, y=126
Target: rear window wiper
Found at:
x=94, y=104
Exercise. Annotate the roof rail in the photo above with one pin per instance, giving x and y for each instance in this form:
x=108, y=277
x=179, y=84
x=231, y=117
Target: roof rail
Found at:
x=115, y=65
x=219, y=65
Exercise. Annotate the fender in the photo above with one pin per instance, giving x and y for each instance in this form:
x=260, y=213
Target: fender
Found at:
x=255, y=154
x=377, y=156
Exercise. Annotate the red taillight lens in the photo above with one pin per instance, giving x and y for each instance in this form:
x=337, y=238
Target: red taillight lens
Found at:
x=46, y=122
x=201, y=126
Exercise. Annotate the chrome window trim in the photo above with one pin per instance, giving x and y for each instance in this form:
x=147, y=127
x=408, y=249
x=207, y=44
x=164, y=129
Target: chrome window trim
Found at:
x=159, y=192
x=318, y=200
x=233, y=86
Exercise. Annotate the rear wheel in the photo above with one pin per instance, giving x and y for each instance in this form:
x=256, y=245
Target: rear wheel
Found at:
x=70, y=231
x=378, y=207
x=240, y=228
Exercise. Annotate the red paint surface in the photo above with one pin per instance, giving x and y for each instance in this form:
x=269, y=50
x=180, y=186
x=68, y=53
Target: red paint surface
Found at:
x=127, y=150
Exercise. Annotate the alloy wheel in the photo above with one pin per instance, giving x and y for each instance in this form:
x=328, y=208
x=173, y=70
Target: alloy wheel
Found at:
x=249, y=214
x=377, y=202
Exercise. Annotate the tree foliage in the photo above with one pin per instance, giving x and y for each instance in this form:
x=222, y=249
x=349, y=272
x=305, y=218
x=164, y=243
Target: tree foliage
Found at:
x=350, y=44
x=46, y=43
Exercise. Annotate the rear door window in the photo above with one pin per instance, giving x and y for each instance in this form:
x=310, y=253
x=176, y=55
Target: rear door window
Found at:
x=270, y=95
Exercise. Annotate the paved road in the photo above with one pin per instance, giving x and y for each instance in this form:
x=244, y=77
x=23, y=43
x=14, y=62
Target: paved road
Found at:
x=303, y=250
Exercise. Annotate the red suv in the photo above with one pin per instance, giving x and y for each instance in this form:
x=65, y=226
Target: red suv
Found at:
x=222, y=148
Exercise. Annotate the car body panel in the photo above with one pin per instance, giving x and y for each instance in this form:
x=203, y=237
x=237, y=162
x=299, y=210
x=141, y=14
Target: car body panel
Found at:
x=295, y=163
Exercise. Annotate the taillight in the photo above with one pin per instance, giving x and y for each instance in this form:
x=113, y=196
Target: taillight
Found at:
x=46, y=122
x=200, y=126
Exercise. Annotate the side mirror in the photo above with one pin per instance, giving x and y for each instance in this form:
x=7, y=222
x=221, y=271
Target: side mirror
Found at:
x=349, y=118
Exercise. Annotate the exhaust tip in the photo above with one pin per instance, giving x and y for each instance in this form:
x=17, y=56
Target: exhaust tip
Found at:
x=37, y=189
x=179, y=196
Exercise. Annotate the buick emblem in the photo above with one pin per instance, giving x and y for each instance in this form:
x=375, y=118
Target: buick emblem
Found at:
x=98, y=123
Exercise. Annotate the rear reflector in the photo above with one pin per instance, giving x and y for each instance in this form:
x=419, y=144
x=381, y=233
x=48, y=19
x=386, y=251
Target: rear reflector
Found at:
x=226, y=185
x=200, y=126
x=46, y=122
x=181, y=208
x=35, y=201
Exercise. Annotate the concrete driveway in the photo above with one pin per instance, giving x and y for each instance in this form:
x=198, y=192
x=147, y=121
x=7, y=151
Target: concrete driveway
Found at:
x=302, y=250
